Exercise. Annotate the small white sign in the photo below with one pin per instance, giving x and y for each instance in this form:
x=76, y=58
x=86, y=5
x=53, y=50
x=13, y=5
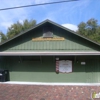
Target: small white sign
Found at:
x=83, y=63
x=57, y=58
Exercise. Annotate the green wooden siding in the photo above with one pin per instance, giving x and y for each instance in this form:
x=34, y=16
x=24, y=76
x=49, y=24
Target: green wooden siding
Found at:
x=51, y=45
x=42, y=69
x=72, y=42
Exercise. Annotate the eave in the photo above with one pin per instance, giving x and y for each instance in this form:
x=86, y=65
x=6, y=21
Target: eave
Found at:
x=49, y=53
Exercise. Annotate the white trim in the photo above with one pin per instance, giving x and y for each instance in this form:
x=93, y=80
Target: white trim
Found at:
x=52, y=84
x=47, y=53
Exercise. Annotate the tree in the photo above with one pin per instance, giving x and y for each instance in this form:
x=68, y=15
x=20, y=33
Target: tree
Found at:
x=14, y=30
x=90, y=29
x=2, y=37
x=28, y=24
x=20, y=27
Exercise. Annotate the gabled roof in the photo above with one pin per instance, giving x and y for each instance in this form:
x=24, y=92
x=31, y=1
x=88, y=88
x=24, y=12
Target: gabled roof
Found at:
x=53, y=23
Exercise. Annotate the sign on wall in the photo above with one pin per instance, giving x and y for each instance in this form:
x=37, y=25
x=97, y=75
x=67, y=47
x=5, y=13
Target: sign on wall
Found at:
x=64, y=66
x=49, y=39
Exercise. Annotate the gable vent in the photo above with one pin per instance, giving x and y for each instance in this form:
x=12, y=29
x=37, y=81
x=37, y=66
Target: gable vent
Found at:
x=47, y=32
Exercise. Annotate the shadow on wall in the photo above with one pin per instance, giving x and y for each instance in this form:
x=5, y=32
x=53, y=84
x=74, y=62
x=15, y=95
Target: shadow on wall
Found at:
x=48, y=63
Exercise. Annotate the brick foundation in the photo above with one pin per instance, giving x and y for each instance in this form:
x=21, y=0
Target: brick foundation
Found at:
x=41, y=92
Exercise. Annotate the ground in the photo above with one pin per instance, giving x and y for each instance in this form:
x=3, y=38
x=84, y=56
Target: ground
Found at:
x=43, y=92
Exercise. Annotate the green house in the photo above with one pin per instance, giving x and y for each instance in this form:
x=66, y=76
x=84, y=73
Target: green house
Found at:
x=51, y=53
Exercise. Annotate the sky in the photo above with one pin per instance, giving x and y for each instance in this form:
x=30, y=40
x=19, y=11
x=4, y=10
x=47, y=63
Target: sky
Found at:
x=68, y=14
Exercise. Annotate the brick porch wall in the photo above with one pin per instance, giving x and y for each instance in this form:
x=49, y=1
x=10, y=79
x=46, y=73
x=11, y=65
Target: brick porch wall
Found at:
x=41, y=92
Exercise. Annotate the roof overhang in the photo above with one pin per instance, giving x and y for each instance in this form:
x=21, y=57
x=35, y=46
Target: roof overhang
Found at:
x=49, y=53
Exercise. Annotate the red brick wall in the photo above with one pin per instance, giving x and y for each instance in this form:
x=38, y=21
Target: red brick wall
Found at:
x=40, y=92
